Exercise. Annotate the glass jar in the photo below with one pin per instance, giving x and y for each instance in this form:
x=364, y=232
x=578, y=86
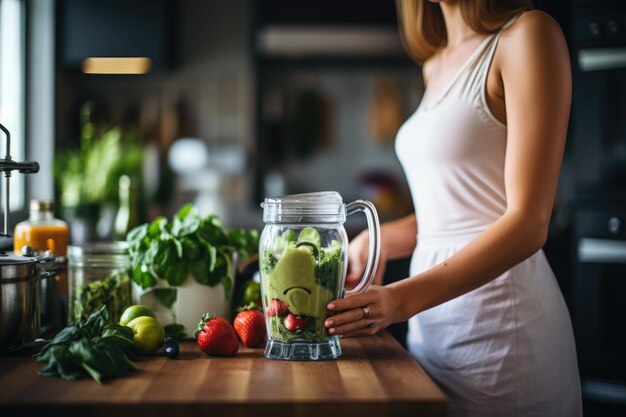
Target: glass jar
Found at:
x=99, y=274
x=303, y=266
x=43, y=232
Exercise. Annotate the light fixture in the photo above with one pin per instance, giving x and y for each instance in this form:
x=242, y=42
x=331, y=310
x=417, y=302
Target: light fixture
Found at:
x=117, y=65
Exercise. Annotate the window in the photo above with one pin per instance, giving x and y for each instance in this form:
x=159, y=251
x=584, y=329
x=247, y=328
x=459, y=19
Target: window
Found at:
x=12, y=75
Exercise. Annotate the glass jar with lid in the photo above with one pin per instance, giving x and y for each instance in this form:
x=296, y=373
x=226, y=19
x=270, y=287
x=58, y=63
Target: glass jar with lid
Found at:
x=99, y=274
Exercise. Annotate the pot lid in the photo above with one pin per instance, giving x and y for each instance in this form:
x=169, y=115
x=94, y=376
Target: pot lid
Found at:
x=11, y=259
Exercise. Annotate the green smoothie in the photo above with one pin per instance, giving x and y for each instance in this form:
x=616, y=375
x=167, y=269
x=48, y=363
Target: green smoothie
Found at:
x=299, y=279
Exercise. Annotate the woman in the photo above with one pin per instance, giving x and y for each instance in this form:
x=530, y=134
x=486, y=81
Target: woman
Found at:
x=482, y=155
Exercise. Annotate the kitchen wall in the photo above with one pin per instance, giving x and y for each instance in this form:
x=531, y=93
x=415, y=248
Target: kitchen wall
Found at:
x=207, y=94
x=210, y=93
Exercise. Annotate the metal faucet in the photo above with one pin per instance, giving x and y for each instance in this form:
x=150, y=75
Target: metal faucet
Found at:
x=7, y=165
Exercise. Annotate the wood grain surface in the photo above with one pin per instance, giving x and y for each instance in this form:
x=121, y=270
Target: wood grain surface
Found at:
x=374, y=377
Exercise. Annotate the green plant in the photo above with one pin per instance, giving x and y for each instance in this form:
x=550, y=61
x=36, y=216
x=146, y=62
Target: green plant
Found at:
x=90, y=175
x=95, y=347
x=188, y=244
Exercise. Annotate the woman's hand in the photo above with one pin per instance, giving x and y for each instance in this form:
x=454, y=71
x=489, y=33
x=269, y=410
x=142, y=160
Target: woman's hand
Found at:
x=357, y=258
x=364, y=314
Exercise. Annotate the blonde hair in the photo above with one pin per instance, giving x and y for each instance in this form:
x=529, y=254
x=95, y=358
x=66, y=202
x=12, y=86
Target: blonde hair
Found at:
x=423, y=31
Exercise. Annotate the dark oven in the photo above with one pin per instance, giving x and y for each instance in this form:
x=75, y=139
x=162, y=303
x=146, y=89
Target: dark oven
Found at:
x=598, y=153
x=600, y=302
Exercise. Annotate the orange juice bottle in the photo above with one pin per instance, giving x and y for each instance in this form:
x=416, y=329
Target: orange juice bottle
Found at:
x=43, y=232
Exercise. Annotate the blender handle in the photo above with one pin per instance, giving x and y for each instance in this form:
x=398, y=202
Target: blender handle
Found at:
x=373, y=227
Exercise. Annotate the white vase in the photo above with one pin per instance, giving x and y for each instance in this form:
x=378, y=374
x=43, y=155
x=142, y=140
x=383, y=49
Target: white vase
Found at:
x=192, y=301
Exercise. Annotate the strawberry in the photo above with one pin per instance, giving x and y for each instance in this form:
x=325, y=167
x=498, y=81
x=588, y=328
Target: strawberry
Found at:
x=216, y=337
x=294, y=323
x=277, y=308
x=250, y=327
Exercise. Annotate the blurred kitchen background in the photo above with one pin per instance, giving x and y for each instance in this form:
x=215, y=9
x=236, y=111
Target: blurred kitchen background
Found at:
x=221, y=103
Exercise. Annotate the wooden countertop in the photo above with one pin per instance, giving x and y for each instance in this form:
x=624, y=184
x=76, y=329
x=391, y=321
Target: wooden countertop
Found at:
x=374, y=377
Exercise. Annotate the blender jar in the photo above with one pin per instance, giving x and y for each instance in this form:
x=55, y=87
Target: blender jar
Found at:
x=303, y=254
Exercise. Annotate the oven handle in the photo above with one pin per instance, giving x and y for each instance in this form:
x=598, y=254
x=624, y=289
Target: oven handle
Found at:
x=602, y=251
x=602, y=58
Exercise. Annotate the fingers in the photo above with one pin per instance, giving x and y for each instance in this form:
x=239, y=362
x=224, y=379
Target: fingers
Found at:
x=353, y=320
x=362, y=332
x=347, y=303
x=350, y=327
x=345, y=317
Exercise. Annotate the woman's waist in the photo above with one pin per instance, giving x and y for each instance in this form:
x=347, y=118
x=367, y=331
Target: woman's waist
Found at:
x=444, y=237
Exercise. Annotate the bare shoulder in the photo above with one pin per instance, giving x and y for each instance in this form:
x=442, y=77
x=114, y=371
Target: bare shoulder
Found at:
x=533, y=29
x=534, y=46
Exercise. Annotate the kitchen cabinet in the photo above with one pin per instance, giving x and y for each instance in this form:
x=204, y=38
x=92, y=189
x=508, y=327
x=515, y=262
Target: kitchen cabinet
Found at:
x=374, y=377
x=116, y=28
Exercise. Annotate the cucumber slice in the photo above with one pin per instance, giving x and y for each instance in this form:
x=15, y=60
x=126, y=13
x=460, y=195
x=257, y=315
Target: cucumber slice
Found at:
x=311, y=247
x=310, y=234
x=288, y=236
x=283, y=240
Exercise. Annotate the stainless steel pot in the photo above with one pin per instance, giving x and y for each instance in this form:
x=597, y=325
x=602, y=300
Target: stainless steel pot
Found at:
x=18, y=296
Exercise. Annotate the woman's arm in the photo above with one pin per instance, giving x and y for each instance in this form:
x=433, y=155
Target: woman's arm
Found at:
x=399, y=237
x=537, y=82
x=397, y=240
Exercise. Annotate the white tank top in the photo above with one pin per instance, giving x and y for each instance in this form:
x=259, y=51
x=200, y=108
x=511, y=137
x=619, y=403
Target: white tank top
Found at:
x=452, y=150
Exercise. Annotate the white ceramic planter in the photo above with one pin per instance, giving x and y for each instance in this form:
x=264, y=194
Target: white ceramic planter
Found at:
x=192, y=301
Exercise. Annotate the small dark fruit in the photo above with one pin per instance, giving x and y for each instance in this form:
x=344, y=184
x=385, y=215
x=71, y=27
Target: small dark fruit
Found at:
x=170, y=347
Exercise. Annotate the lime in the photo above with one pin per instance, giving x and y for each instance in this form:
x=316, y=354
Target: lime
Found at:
x=251, y=292
x=133, y=312
x=310, y=234
x=148, y=335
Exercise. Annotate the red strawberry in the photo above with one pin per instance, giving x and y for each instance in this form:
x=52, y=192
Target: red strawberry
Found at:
x=277, y=308
x=216, y=337
x=294, y=323
x=250, y=327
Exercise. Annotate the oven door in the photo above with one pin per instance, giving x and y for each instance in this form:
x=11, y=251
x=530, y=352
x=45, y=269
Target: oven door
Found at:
x=600, y=304
x=599, y=127
x=599, y=98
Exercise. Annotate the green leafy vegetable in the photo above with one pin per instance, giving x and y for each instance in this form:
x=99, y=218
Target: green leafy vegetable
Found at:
x=268, y=262
x=114, y=292
x=188, y=244
x=94, y=347
x=329, y=268
x=246, y=241
x=166, y=296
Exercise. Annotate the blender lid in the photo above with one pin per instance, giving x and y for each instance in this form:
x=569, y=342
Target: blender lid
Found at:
x=318, y=207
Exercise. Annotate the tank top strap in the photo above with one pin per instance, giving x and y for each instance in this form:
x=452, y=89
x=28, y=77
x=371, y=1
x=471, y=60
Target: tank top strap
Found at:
x=476, y=77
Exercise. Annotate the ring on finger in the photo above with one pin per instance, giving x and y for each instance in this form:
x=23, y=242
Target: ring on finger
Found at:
x=371, y=325
x=366, y=312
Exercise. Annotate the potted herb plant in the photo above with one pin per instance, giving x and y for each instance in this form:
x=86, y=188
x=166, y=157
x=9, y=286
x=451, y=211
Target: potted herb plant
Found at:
x=185, y=267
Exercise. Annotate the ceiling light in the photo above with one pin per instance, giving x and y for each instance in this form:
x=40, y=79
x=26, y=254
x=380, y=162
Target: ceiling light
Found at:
x=116, y=65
